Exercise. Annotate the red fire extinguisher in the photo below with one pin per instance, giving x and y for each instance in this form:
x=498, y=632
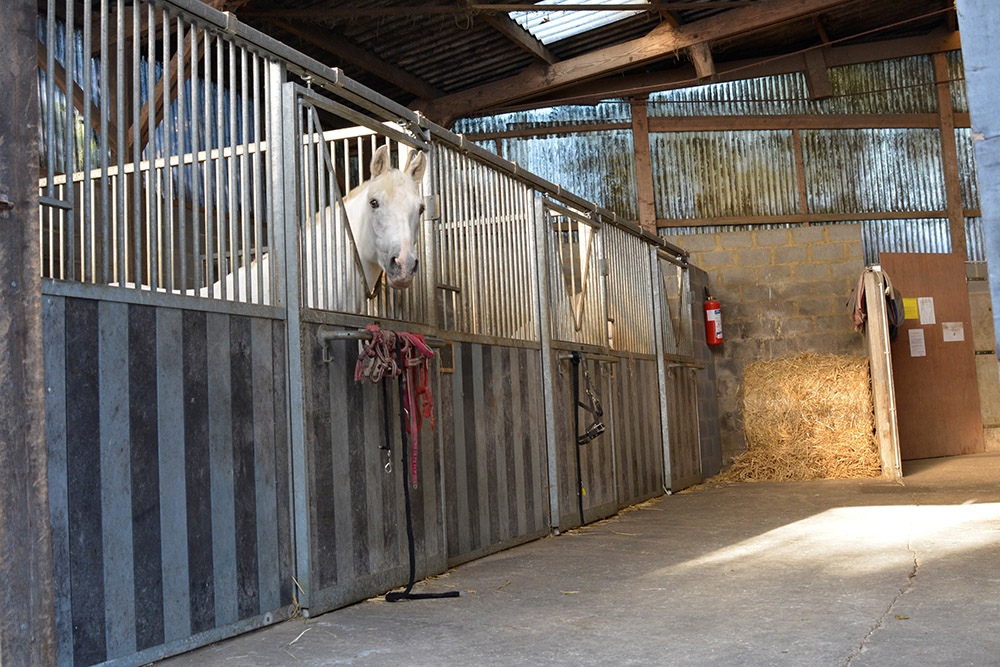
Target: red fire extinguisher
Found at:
x=713, y=320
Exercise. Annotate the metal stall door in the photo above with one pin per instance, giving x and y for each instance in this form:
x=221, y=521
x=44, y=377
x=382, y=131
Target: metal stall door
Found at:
x=682, y=451
x=351, y=539
x=573, y=308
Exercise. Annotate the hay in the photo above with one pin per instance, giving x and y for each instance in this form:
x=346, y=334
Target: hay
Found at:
x=806, y=417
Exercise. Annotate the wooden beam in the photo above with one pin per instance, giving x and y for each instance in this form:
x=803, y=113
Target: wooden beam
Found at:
x=817, y=77
x=59, y=76
x=701, y=58
x=800, y=174
x=345, y=10
x=660, y=43
x=820, y=29
x=342, y=48
x=643, y=165
x=513, y=31
x=949, y=157
x=622, y=86
x=27, y=588
x=799, y=218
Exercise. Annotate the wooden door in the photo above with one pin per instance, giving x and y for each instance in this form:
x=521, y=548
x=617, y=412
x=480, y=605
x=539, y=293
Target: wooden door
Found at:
x=937, y=395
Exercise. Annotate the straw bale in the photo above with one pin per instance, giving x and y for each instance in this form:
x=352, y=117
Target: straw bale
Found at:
x=807, y=417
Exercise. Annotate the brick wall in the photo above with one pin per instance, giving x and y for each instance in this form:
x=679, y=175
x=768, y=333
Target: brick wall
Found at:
x=783, y=293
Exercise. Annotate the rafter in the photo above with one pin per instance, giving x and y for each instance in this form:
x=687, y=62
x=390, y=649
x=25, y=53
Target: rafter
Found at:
x=658, y=44
x=513, y=31
x=618, y=86
x=356, y=55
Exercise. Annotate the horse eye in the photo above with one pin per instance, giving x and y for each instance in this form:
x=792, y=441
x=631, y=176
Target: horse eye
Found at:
x=374, y=203
x=422, y=207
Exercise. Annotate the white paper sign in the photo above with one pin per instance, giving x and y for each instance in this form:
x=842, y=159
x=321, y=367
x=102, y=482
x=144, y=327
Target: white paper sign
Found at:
x=917, y=346
x=954, y=332
x=926, y=306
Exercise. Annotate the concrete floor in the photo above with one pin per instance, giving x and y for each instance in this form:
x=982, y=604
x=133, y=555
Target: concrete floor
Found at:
x=854, y=572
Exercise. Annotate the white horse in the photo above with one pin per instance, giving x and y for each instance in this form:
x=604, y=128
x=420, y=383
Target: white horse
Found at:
x=384, y=214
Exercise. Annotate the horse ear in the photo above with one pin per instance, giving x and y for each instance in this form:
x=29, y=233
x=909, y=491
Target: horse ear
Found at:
x=416, y=165
x=380, y=161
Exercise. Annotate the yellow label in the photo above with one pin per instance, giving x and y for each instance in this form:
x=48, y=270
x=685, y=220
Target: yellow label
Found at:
x=910, y=309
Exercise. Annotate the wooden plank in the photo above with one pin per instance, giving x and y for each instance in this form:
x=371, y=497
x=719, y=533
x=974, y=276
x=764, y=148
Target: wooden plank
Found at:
x=800, y=174
x=937, y=396
x=792, y=122
x=817, y=76
x=701, y=57
x=643, y=165
x=880, y=365
x=27, y=624
x=658, y=44
x=949, y=156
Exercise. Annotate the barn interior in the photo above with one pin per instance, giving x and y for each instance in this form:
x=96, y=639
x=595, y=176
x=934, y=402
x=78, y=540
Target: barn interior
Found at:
x=205, y=474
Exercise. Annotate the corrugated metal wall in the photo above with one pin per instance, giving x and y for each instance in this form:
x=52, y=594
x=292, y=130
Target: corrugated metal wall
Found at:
x=168, y=475
x=752, y=173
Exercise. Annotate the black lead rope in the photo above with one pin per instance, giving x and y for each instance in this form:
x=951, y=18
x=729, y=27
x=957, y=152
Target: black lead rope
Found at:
x=407, y=594
x=576, y=431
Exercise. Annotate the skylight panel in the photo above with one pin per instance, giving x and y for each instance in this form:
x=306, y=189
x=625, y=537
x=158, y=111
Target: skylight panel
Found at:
x=550, y=27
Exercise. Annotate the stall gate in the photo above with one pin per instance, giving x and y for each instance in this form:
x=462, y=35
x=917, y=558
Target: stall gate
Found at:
x=213, y=465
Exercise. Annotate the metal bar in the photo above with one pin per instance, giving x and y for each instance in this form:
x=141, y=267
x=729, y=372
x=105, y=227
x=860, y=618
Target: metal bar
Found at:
x=209, y=194
x=307, y=238
x=152, y=211
x=69, y=62
x=326, y=334
x=136, y=155
x=353, y=116
x=182, y=145
x=542, y=306
x=169, y=137
x=106, y=242
x=245, y=186
x=50, y=99
x=87, y=222
x=258, y=210
x=221, y=243
x=317, y=231
x=232, y=218
x=602, y=358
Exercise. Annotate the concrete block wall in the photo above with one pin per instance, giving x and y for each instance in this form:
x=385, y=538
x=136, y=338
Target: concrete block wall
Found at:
x=783, y=292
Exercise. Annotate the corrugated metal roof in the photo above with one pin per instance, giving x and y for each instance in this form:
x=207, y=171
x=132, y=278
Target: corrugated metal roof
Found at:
x=551, y=27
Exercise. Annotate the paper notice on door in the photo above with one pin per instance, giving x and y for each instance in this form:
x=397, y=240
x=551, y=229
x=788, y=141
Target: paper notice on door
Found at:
x=954, y=332
x=917, y=346
x=910, y=311
x=925, y=304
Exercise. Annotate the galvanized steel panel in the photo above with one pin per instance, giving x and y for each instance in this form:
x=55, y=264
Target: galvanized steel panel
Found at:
x=873, y=170
x=629, y=290
x=599, y=166
x=896, y=86
x=967, y=171
x=710, y=174
x=612, y=111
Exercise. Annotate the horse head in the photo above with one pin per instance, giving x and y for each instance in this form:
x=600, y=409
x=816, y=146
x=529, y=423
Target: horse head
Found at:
x=384, y=214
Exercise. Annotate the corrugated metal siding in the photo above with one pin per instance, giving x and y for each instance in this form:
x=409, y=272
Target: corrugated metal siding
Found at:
x=168, y=476
x=967, y=170
x=629, y=289
x=603, y=112
x=959, y=92
x=495, y=474
x=598, y=166
x=357, y=519
x=710, y=174
x=788, y=94
x=929, y=235
x=873, y=170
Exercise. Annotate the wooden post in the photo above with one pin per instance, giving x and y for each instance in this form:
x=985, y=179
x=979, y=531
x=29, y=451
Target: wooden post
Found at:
x=27, y=619
x=800, y=174
x=949, y=156
x=643, y=165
